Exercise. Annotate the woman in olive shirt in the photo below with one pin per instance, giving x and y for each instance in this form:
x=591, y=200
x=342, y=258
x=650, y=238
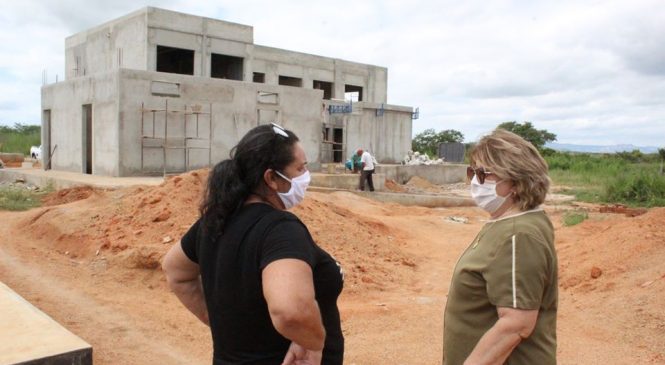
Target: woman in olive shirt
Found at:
x=502, y=302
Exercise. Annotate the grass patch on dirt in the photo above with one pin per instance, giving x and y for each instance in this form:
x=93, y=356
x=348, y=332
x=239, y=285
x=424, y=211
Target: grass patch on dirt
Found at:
x=572, y=218
x=18, y=199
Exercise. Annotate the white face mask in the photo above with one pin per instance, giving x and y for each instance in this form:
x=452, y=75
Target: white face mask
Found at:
x=296, y=193
x=485, y=195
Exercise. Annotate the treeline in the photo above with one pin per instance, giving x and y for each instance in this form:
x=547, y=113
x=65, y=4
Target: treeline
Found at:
x=632, y=178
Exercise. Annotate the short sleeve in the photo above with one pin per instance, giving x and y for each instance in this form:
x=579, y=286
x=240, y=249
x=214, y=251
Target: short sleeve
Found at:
x=518, y=275
x=188, y=242
x=287, y=239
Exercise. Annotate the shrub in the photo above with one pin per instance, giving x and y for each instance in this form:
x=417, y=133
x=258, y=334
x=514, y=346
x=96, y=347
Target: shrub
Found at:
x=19, y=138
x=644, y=188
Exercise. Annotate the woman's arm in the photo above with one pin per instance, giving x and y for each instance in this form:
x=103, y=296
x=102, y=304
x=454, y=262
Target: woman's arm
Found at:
x=288, y=287
x=498, y=342
x=183, y=278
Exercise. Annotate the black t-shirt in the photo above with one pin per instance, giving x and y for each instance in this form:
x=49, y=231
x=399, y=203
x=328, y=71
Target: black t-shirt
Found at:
x=231, y=268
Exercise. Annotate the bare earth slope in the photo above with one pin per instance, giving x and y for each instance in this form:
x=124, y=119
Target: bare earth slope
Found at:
x=90, y=259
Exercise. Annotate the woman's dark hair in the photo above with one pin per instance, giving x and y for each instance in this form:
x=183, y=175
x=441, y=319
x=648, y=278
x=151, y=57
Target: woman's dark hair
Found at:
x=232, y=180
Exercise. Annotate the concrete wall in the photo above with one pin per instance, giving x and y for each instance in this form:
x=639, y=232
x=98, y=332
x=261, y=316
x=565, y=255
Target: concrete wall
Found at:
x=275, y=62
x=112, y=45
x=436, y=174
x=387, y=136
x=112, y=67
x=192, y=24
x=346, y=181
x=131, y=42
x=236, y=108
x=65, y=100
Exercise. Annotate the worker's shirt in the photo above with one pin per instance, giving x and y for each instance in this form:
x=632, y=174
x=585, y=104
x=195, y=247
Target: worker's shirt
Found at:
x=367, y=160
x=511, y=263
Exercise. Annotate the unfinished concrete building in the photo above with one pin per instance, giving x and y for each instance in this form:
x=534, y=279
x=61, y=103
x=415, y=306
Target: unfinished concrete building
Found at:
x=158, y=91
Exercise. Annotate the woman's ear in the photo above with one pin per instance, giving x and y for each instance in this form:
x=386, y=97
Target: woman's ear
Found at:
x=270, y=180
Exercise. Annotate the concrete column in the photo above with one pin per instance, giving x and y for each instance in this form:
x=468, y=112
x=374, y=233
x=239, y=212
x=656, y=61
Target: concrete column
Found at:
x=338, y=87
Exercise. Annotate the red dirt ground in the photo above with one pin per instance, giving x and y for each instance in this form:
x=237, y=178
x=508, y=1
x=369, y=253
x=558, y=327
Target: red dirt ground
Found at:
x=90, y=259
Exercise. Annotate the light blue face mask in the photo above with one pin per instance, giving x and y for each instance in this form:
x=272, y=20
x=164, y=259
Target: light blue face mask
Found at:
x=296, y=193
x=485, y=195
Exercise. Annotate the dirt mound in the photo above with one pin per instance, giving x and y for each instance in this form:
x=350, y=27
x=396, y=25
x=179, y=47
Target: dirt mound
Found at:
x=368, y=249
x=11, y=159
x=135, y=227
x=68, y=195
x=420, y=183
x=617, y=261
x=391, y=185
x=615, y=244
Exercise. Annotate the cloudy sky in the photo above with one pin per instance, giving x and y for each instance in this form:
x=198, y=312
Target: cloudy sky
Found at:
x=593, y=72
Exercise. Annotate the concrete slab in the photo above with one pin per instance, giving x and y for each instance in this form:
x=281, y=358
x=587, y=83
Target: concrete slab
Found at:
x=29, y=336
x=436, y=174
x=421, y=200
x=345, y=181
x=63, y=179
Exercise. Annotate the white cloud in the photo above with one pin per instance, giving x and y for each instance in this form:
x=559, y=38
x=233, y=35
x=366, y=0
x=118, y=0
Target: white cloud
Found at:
x=590, y=71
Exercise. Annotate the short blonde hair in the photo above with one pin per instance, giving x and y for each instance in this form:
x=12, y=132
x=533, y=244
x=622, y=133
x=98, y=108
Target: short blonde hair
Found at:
x=511, y=157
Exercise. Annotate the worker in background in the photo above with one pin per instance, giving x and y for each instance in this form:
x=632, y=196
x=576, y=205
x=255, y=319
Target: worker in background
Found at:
x=367, y=169
x=355, y=161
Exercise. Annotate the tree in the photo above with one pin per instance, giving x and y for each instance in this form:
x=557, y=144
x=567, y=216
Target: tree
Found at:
x=428, y=140
x=526, y=130
x=661, y=152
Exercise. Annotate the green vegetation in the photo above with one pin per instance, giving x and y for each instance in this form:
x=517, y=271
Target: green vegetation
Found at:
x=630, y=178
x=16, y=198
x=526, y=130
x=572, y=218
x=428, y=140
x=19, y=138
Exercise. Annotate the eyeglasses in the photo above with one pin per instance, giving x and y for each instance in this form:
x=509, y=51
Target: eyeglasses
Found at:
x=278, y=129
x=480, y=172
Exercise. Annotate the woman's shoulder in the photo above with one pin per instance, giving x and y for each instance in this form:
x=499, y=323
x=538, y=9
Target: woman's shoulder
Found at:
x=535, y=224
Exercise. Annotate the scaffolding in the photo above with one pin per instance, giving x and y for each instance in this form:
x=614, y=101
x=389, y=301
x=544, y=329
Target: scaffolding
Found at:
x=158, y=138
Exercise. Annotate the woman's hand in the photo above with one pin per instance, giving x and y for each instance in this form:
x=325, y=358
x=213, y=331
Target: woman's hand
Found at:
x=298, y=355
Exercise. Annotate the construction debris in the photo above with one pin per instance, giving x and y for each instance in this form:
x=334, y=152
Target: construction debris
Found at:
x=622, y=209
x=454, y=219
x=416, y=158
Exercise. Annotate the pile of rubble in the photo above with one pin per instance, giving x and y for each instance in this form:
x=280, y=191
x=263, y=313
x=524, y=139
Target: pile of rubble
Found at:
x=416, y=158
x=20, y=184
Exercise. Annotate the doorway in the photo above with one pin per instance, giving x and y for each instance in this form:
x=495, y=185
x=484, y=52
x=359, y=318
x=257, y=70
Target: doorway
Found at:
x=338, y=145
x=46, y=140
x=87, y=138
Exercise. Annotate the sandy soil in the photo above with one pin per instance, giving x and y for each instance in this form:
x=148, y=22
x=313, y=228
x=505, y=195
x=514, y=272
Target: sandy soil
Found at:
x=90, y=259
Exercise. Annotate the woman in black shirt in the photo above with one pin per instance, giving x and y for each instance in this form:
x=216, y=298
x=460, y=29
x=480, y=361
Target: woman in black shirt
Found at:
x=250, y=269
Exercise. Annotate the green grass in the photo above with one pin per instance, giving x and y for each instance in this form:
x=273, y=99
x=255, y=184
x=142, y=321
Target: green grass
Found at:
x=628, y=178
x=17, y=199
x=19, y=139
x=572, y=218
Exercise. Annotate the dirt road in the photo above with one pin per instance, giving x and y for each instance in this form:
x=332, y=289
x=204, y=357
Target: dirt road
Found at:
x=92, y=264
